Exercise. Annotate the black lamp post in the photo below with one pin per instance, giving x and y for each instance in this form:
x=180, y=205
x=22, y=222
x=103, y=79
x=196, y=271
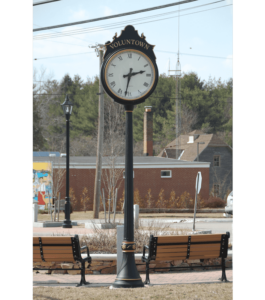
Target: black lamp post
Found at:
x=67, y=108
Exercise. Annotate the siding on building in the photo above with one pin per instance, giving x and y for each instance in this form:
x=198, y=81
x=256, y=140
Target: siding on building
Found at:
x=221, y=175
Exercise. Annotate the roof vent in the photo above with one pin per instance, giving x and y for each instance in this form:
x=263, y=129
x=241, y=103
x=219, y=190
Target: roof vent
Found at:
x=63, y=155
x=191, y=139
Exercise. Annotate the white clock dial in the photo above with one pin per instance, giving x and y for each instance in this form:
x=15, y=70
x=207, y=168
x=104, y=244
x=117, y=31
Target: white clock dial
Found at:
x=130, y=74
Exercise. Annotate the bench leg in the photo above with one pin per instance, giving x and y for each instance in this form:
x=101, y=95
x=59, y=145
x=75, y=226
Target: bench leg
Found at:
x=223, y=271
x=147, y=279
x=83, y=278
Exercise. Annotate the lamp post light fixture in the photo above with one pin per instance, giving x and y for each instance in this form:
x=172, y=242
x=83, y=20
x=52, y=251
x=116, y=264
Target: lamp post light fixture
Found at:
x=67, y=108
x=199, y=143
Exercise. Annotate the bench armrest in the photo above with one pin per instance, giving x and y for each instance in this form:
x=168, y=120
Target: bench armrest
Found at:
x=144, y=259
x=85, y=248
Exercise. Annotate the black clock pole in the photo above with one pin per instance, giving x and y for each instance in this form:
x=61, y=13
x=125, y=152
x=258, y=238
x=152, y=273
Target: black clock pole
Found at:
x=128, y=276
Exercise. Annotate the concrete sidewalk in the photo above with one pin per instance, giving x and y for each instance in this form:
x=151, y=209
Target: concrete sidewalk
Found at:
x=211, y=276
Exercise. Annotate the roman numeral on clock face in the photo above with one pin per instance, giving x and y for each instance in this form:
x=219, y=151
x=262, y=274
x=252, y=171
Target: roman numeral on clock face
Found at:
x=146, y=84
x=148, y=75
x=120, y=91
x=112, y=83
x=130, y=55
x=146, y=65
x=120, y=58
x=110, y=74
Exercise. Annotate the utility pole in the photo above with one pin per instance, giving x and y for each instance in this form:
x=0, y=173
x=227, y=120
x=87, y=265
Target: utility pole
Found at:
x=99, y=48
x=178, y=99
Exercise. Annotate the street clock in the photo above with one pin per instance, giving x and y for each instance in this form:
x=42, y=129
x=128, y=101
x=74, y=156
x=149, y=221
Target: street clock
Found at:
x=129, y=72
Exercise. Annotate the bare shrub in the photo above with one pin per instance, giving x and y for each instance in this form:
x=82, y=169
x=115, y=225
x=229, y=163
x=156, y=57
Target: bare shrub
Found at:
x=161, y=201
x=75, y=202
x=214, y=202
x=137, y=199
x=185, y=201
x=84, y=199
x=105, y=241
x=121, y=201
x=149, y=200
x=172, y=200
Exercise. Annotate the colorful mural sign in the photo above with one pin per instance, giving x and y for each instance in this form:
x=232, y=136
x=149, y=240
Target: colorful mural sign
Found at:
x=42, y=183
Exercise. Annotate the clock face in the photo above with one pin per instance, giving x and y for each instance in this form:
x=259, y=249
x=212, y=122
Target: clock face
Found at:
x=130, y=74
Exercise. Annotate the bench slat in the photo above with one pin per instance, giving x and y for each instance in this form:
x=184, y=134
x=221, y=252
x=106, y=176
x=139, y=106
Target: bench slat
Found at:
x=176, y=248
x=172, y=239
x=54, y=250
x=205, y=247
x=171, y=249
x=53, y=240
x=206, y=238
x=192, y=256
x=184, y=239
x=204, y=252
x=56, y=260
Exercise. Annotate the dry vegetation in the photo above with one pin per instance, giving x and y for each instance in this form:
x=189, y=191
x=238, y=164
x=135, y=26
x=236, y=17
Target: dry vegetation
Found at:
x=105, y=241
x=220, y=291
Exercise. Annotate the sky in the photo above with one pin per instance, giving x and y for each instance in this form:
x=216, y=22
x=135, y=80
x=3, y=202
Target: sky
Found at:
x=205, y=33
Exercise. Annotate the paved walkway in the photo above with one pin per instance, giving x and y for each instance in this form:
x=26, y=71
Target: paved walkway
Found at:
x=211, y=276
x=50, y=231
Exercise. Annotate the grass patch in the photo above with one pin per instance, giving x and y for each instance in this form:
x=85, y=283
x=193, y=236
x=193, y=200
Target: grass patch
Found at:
x=220, y=291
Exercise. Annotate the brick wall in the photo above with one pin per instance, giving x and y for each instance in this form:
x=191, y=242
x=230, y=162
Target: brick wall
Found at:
x=183, y=180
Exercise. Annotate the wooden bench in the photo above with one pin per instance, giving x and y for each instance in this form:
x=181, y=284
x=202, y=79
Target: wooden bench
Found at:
x=201, y=246
x=60, y=250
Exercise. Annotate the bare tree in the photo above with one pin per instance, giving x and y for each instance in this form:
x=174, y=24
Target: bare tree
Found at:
x=188, y=119
x=83, y=146
x=57, y=175
x=223, y=183
x=114, y=147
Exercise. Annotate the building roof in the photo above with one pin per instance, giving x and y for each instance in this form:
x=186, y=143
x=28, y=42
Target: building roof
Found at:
x=89, y=162
x=190, y=149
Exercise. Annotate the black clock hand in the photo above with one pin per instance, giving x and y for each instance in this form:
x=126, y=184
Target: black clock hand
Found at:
x=141, y=72
x=132, y=74
x=129, y=78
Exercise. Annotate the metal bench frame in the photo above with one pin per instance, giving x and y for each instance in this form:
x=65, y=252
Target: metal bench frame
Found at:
x=77, y=250
x=153, y=248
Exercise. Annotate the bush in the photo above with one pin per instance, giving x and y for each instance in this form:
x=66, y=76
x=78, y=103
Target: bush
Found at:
x=214, y=202
x=185, y=201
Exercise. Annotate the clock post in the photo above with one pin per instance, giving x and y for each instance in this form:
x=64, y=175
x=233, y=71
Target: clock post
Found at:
x=129, y=75
x=128, y=275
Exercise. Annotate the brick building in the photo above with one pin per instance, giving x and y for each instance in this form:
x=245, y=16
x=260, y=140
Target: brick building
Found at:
x=149, y=173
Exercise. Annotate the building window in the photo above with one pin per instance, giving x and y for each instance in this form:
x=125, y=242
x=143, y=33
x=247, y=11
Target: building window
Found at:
x=216, y=161
x=216, y=190
x=166, y=174
x=124, y=174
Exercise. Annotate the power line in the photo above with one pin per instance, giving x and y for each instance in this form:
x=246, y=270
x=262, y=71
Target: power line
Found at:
x=71, y=37
x=114, y=16
x=110, y=25
x=44, y=2
x=195, y=54
x=62, y=55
